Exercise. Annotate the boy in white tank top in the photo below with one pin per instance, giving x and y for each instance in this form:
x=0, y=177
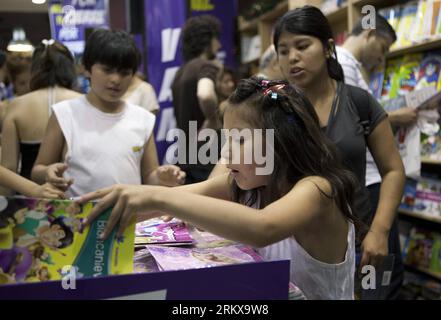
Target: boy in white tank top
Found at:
x=99, y=140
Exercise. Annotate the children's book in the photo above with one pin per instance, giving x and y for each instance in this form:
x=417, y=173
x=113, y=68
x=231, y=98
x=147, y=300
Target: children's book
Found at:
x=44, y=240
x=408, y=73
x=405, y=25
x=429, y=70
x=391, y=80
x=428, y=197
x=204, y=239
x=144, y=262
x=156, y=231
x=176, y=258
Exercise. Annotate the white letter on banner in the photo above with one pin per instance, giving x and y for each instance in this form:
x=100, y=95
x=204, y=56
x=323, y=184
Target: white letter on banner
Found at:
x=166, y=94
x=170, y=40
x=168, y=122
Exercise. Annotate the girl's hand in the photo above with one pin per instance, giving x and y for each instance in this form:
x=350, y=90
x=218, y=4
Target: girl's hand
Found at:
x=48, y=191
x=374, y=248
x=127, y=202
x=171, y=175
x=54, y=175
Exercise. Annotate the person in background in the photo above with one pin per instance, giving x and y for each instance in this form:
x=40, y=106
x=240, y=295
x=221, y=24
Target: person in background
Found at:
x=141, y=93
x=98, y=139
x=269, y=66
x=349, y=116
x=19, y=70
x=225, y=87
x=194, y=86
x=53, y=78
x=362, y=52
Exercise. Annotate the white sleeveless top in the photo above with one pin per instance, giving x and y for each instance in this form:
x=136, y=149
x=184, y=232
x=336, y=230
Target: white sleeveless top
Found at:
x=317, y=280
x=103, y=149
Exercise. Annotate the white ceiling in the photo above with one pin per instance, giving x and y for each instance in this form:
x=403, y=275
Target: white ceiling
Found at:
x=22, y=6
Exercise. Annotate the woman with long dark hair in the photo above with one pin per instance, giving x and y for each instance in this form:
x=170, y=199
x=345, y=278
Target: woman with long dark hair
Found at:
x=349, y=116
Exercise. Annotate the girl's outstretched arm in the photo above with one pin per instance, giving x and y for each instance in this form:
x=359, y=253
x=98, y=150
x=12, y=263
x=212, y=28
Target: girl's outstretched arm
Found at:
x=26, y=187
x=225, y=218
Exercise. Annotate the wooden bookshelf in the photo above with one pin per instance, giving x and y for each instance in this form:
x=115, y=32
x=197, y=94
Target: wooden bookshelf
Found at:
x=436, y=275
x=338, y=15
x=425, y=160
x=414, y=48
x=419, y=215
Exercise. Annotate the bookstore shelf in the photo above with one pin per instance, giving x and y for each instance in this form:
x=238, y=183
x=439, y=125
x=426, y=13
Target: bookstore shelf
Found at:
x=425, y=271
x=417, y=47
x=338, y=14
x=430, y=161
x=419, y=215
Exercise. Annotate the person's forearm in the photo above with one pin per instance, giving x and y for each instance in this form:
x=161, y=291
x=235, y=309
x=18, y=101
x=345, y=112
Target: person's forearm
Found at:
x=38, y=173
x=390, y=197
x=17, y=183
x=224, y=218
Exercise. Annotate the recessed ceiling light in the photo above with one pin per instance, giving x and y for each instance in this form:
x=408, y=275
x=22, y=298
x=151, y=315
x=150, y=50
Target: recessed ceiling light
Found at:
x=38, y=1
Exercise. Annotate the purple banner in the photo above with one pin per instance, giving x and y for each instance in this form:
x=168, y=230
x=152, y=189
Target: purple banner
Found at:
x=69, y=20
x=251, y=281
x=226, y=12
x=164, y=21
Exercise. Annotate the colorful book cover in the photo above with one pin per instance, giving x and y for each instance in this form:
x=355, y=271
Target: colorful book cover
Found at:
x=205, y=239
x=174, y=258
x=436, y=8
x=429, y=71
x=42, y=240
x=419, y=248
x=428, y=197
x=420, y=22
x=408, y=73
x=392, y=14
x=409, y=195
x=376, y=83
x=404, y=28
x=156, y=231
x=391, y=80
x=144, y=262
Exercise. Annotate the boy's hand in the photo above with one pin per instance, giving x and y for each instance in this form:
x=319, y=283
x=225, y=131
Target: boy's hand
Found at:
x=170, y=175
x=54, y=176
x=48, y=191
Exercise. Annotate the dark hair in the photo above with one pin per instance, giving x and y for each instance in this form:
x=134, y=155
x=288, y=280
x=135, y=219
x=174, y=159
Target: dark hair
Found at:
x=301, y=149
x=112, y=48
x=52, y=64
x=197, y=35
x=68, y=238
x=309, y=20
x=382, y=27
x=2, y=58
x=17, y=66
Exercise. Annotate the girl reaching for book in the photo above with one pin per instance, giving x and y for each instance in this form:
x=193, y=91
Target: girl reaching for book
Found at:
x=301, y=211
x=13, y=181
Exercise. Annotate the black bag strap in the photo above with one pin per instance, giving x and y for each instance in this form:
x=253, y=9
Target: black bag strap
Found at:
x=360, y=98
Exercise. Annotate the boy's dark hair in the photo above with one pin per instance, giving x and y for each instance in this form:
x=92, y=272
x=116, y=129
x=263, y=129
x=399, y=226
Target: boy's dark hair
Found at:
x=310, y=21
x=301, y=149
x=197, y=35
x=382, y=27
x=68, y=238
x=112, y=48
x=52, y=64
